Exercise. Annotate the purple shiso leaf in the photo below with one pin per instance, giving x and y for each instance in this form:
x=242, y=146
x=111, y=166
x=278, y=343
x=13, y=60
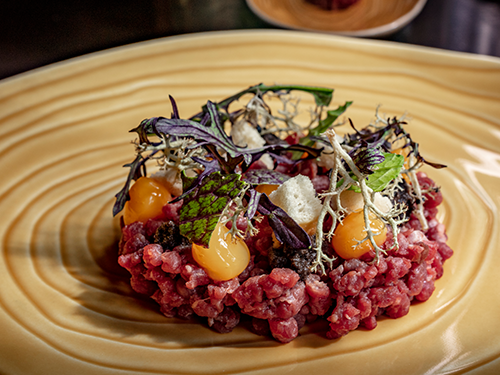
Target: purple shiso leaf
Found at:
x=272, y=139
x=253, y=203
x=322, y=95
x=378, y=138
x=274, y=149
x=210, y=166
x=366, y=159
x=134, y=173
x=284, y=160
x=142, y=130
x=285, y=229
x=233, y=151
x=265, y=176
x=212, y=133
x=175, y=110
x=226, y=163
x=420, y=158
x=312, y=153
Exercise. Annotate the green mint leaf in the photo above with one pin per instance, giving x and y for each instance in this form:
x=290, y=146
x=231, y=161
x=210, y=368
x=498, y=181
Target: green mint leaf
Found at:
x=387, y=171
x=205, y=203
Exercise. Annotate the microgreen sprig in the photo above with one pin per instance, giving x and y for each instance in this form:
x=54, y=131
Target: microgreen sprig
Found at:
x=223, y=189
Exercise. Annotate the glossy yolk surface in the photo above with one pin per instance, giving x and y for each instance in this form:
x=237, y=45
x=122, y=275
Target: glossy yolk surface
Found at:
x=352, y=230
x=224, y=258
x=266, y=189
x=147, y=198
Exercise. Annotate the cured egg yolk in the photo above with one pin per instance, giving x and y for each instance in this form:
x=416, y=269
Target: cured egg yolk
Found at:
x=266, y=189
x=147, y=198
x=224, y=258
x=352, y=230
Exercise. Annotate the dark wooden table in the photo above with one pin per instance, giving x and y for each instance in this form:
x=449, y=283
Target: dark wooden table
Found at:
x=34, y=34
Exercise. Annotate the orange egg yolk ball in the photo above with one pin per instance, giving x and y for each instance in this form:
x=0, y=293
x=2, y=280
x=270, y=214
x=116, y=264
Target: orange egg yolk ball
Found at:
x=224, y=259
x=147, y=198
x=352, y=230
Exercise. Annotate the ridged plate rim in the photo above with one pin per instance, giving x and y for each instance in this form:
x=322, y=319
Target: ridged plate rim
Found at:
x=78, y=199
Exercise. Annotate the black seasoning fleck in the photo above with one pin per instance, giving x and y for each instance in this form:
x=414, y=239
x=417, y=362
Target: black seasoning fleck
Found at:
x=299, y=260
x=403, y=196
x=169, y=236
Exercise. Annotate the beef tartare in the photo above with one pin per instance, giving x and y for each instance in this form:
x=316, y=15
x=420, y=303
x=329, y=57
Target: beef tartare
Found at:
x=251, y=216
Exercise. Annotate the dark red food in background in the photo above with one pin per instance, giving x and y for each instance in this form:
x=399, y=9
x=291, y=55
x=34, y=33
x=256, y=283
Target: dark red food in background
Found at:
x=333, y=4
x=353, y=294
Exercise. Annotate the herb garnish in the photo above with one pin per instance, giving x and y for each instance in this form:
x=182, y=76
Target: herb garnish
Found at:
x=206, y=202
x=222, y=187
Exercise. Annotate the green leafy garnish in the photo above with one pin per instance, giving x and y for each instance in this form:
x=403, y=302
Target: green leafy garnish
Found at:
x=322, y=95
x=386, y=171
x=331, y=117
x=204, y=205
x=323, y=125
x=224, y=174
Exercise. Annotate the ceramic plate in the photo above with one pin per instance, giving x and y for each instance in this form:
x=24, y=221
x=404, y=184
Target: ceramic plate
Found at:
x=65, y=305
x=366, y=18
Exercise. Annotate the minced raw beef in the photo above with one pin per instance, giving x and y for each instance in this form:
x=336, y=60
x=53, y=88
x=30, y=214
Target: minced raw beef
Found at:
x=302, y=199
x=279, y=300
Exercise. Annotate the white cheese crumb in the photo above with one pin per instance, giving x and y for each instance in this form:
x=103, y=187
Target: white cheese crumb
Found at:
x=245, y=135
x=353, y=201
x=298, y=198
x=171, y=179
x=383, y=203
x=327, y=159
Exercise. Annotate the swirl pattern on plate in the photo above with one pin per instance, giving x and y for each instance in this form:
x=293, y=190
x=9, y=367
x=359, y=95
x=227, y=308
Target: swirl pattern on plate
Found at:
x=64, y=137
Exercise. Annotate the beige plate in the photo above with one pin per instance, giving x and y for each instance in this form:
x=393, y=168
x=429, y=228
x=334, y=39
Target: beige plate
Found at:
x=366, y=18
x=65, y=305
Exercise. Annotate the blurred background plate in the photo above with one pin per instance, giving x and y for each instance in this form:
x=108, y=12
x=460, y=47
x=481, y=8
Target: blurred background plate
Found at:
x=66, y=306
x=366, y=18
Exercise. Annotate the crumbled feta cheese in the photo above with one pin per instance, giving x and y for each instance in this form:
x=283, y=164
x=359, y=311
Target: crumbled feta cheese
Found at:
x=245, y=135
x=353, y=201
x=298, y=198
x=171, y=179
x=327, y=159
x=383, y=203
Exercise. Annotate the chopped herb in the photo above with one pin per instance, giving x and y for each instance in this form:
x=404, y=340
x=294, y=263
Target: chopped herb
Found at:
x=382, y=173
